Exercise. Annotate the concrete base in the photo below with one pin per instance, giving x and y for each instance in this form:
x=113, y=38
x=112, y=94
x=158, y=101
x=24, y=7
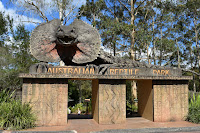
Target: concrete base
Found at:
x=49, y=99
x=109, y=101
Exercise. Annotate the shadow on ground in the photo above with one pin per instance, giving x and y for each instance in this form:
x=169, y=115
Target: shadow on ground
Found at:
x=81, y=116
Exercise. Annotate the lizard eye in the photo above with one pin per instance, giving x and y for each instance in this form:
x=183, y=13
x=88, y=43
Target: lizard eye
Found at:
x=59, y=29
x=72, y=30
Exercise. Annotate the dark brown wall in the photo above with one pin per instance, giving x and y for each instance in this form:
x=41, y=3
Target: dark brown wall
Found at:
x=145, y=99
x=95, y=100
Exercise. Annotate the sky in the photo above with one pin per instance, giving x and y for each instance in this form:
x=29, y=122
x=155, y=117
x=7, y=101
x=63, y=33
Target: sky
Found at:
x=20, y=16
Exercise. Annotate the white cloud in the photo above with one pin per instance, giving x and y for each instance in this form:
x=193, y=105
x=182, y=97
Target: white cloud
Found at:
x=49, y=7
x=17, y=18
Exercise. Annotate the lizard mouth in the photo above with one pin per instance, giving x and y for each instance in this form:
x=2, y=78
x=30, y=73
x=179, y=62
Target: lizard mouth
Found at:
x=67, y=41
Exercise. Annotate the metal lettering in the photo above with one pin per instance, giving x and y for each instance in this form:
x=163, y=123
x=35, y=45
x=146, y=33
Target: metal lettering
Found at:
x=87, y=71
x=76, y=71
x=50, y=70
x=112, y=71
x=61, y=70
x=70, y=71
x=136, y=70
x=91, y=70
x=125, y=71
x=121, y=71
x=65, y=70
x=116, y=71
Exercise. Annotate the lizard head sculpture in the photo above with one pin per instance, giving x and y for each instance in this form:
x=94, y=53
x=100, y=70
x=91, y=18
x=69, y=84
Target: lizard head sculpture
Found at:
x=78, y=43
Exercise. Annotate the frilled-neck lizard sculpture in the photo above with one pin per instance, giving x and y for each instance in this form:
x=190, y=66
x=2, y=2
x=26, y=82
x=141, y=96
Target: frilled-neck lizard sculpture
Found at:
x=76, y=45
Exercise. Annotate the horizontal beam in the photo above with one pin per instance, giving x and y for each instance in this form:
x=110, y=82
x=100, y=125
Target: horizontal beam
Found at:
x=91, y=77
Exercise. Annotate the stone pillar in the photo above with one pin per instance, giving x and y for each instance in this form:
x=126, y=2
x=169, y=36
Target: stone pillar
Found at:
x=49, y=99
x=145, y=99
x=170, y=100
x=95, y=100
x=109, y=101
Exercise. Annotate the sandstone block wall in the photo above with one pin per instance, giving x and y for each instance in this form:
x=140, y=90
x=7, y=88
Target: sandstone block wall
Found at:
x=170, y=100
x=49, y=99
x=110, y=104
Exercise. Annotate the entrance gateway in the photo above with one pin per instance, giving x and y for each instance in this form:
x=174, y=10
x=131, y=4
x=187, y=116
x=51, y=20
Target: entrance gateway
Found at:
x=162, y=92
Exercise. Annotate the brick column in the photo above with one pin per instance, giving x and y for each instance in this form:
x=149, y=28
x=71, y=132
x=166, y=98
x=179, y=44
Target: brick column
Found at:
x=170, y=100
x=109, y=101
x=49, y=99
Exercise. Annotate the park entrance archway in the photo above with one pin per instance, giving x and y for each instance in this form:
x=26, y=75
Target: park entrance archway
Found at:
x=162, y=93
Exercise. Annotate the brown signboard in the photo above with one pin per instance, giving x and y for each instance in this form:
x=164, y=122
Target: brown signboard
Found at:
x=82, y=70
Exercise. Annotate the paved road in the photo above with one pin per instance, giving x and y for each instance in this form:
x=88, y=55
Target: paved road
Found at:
x=143, y=130
x=38, y=132
x=154, y=130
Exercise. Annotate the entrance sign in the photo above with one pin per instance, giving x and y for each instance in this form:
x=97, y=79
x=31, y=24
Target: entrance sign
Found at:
x=162, y=92
x=81, y=70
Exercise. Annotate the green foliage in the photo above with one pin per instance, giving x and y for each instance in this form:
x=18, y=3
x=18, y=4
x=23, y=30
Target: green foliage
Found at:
x=79, y=106
x=13, y=114
x=79, y=90
x=194, y=81
x=194, y=109
x=73, y=93
x=130, y=103
x=82, y=107
x=14, y=53
x=3, y=28
x=131, y=107
x=6, y=96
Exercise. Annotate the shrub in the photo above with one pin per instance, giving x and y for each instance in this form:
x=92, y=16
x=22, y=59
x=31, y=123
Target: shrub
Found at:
x=6, y=95
x=81, y=107
x=194, y=110
x=131, y=107
x=13, y=114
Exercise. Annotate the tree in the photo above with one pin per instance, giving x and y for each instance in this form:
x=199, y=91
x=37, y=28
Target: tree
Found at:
x=79, y=90
x=15, y=55
x=193, y=16
x=48, y=10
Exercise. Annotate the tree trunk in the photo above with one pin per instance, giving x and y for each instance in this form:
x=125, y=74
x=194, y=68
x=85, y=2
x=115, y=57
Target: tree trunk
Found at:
x=134, y=92
x=179, y=66
x=161, y=46
x=132, y=49
x=191, y=57
x=194, y=84
x=154, y=48
x=114, y=49
x=80, y=92
x=148, y=54
x=93, y=12
x=178, y=54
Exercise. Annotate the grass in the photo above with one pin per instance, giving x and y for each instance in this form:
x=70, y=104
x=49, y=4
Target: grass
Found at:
x=194, y=110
